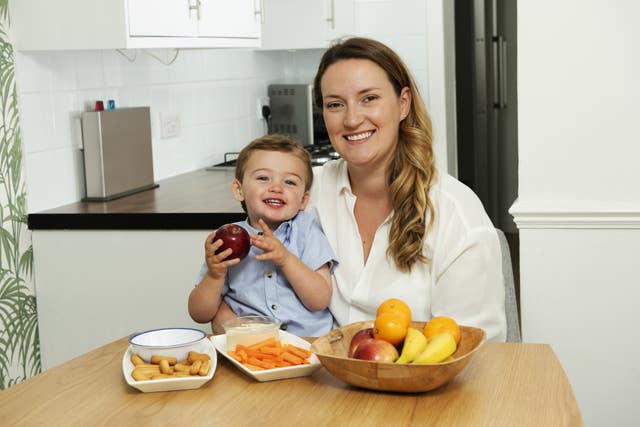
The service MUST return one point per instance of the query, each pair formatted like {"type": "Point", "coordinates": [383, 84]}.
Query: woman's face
{"type": "Point", "coordinates": [362, 111]}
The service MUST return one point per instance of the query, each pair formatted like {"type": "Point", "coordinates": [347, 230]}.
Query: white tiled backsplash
{"type": "Point", "coordinates": [213, 91]}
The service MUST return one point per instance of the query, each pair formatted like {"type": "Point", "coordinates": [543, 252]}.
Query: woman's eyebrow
{"type": "Point", "coordinates": [360, 92]}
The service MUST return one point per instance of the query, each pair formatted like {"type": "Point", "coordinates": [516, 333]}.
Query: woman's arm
{"type": "Point", "coordinates": [469, 285]}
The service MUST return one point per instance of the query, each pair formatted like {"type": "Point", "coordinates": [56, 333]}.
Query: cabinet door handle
{"type": "Point", "coordinates": [259, 10]}
{"type": "Point", "coordinates": [195, 7]}
{"type": "Point", "coordinates": [332, 17]}
{"type": "Point", "coordinates": [499, 72]}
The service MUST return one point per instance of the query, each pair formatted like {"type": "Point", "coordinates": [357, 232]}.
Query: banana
{"type": "Point", "coordinates": [439, 347]}
{"type": "Point", "coordinates": [414, 344]}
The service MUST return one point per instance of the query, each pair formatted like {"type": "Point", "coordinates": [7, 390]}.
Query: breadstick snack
{"type": "Point", "coordinates": [165, 367]}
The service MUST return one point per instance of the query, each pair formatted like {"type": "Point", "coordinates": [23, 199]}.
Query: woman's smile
{"type": "Point", "coordinates": [359, 137]}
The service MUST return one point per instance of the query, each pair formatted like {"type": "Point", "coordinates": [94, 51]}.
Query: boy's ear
{"type": "Point", "coordinates": [305, 200]}
{"type": "Point", "coordinates": [236, 188]}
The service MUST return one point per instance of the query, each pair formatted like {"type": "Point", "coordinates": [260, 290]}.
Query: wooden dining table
{"type": "Point", "coordinates": [506, 384]}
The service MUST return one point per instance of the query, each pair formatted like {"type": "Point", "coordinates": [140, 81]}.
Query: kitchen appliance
{"type": "Point", "coordinates": [117, 153]}
{"type": "Point", "coordinates": [293, 113]}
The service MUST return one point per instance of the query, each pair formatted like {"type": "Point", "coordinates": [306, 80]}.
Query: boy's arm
{"type": "Point", "coordinates": [312, 287]}
{"type": "Point", "coordinates": [223, 314]}
{"type": "Point", "coordinates": [205, 298]}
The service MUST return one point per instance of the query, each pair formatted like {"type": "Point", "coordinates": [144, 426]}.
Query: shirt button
{"type": "Point", "coordinates": [284, 327]}
{"type": "Point", "coordinates": [274, 307]}
{"type": "Point", "coordinates": [270, 274]}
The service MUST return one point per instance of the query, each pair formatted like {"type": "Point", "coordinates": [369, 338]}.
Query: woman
{"type": "Point", "coordinates": [399, 229]}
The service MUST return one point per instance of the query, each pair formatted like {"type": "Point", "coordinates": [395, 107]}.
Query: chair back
{"type": "Point", "coordinates": [510, 301]}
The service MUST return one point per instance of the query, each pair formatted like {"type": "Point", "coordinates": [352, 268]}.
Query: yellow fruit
{"type": "Point", "coordinates": [441, 324]}
{"type": "Point", "coordinates": [439, 347]}
{"type": "Point", "coordinates": [414, 343]}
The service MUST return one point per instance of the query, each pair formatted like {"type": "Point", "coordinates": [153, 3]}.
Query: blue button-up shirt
{"type": "Point", "coordinates": [258, 287]}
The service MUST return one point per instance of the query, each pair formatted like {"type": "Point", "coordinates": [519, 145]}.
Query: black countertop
{"type": "Point", "coordinates": [199, 200]}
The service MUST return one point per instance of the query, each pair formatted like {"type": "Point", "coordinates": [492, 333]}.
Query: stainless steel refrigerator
{"type": "Point", "coordinates": [486, 87]}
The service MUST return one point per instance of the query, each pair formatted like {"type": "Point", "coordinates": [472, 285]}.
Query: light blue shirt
{"type": "Point", "coordinates": [258, 287]}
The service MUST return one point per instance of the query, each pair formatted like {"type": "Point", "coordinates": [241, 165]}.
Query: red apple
{"type": "Point", "coordinates": [235, 237]}
{"type": "Point", "coordinates": [376, 350]}
{"type": "Point", "coordinates": [358, 338]}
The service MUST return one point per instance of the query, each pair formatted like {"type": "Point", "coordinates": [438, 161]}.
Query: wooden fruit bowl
{"type": "Point", "coordinates": [333, 347]}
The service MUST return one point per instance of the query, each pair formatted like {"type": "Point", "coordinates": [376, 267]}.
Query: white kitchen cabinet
{"type": "Point", "coordinates": [130, 24]}
{"type": "Point", "coordinates": [306, 24]}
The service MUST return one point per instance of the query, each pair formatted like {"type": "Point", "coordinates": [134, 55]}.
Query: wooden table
{"type": "Point", "coordinates": [504, 385]}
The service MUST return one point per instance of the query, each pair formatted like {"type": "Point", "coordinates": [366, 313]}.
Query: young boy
{"type": "Point", "coordinates": [287, 273]}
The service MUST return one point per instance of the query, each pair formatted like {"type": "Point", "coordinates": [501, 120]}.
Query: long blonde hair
{"type": "Point", "coordinates": [413, 169]}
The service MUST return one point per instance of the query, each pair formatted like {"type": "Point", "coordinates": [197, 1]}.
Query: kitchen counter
{"type": "Point", "coordinates": [199, 200]}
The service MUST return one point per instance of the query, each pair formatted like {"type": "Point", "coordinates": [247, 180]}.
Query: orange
{"type": "Point", "coordinates": [442, 324]}
{"type": "Point", "coordinates": [397, 306]}
{"type": "Point", "coordinates": [390, 327]}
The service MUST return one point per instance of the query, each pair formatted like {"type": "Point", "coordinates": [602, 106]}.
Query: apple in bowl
{"type": "Point", "coordinates": [376, 350]}
{"type": "Point", "coordinates": [358, 338]}
{"type": "Point", "coordinates": [235, 237]}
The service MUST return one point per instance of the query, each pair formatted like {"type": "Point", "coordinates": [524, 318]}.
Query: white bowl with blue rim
{"type": "Point", "coordinates": [171, 342]}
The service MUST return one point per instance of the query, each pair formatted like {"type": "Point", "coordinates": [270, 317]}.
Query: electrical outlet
{"type": "Point", "coordinates": [261, 102]}
{"type": "Point", "coordinates": [170, 125]}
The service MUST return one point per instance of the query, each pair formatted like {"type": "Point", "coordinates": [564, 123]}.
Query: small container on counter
{"type": "Point", "coordinates": [247, 330]}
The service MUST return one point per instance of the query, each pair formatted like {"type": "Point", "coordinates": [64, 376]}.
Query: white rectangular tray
{"type": "Point", "coordinates": [220, 343]}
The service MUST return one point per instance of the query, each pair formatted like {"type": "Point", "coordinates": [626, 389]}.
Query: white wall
{"type": "Point", "coordinates": [579, 196]}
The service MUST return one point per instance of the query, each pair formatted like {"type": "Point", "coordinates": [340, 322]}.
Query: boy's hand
{"type": "Point", "coordinates": [273, 248]}
{"type": "Point", "coordinates": [216, 262]}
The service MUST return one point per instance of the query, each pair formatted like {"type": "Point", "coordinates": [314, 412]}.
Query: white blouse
{"type": "Point", "coordinates": [464, 279]}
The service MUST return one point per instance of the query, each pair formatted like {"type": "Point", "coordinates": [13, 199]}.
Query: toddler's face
{"type": "Point", "coordinates": [273, 187]}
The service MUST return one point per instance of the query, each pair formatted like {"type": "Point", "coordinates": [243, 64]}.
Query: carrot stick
{"type": "Point", "coordinates": [270, 353]}
{"type": "Point", "coordinates": [292, 358]}
{"type": "Point", "coordinates": [253, 367]}
{"type": "Point", "coordinates": [261, 363]}
{"type": "Point", "coordinates": [234, 355]}
{"type": "Point", "coordinates": [300, 352]}
{"type": "Point", "coordinates": [271, 350]}
{"type": "Point", "coordinates": [269, 342]}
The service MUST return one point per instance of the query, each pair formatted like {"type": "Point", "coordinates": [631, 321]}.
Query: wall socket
{"type": "Point", "coordinates": [262, 102]}
{"type": "Point", "coordinates": [170, 125]}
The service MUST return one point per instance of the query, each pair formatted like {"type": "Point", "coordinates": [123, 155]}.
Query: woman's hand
{"type": "Point", "coordinates": [273, 248]}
